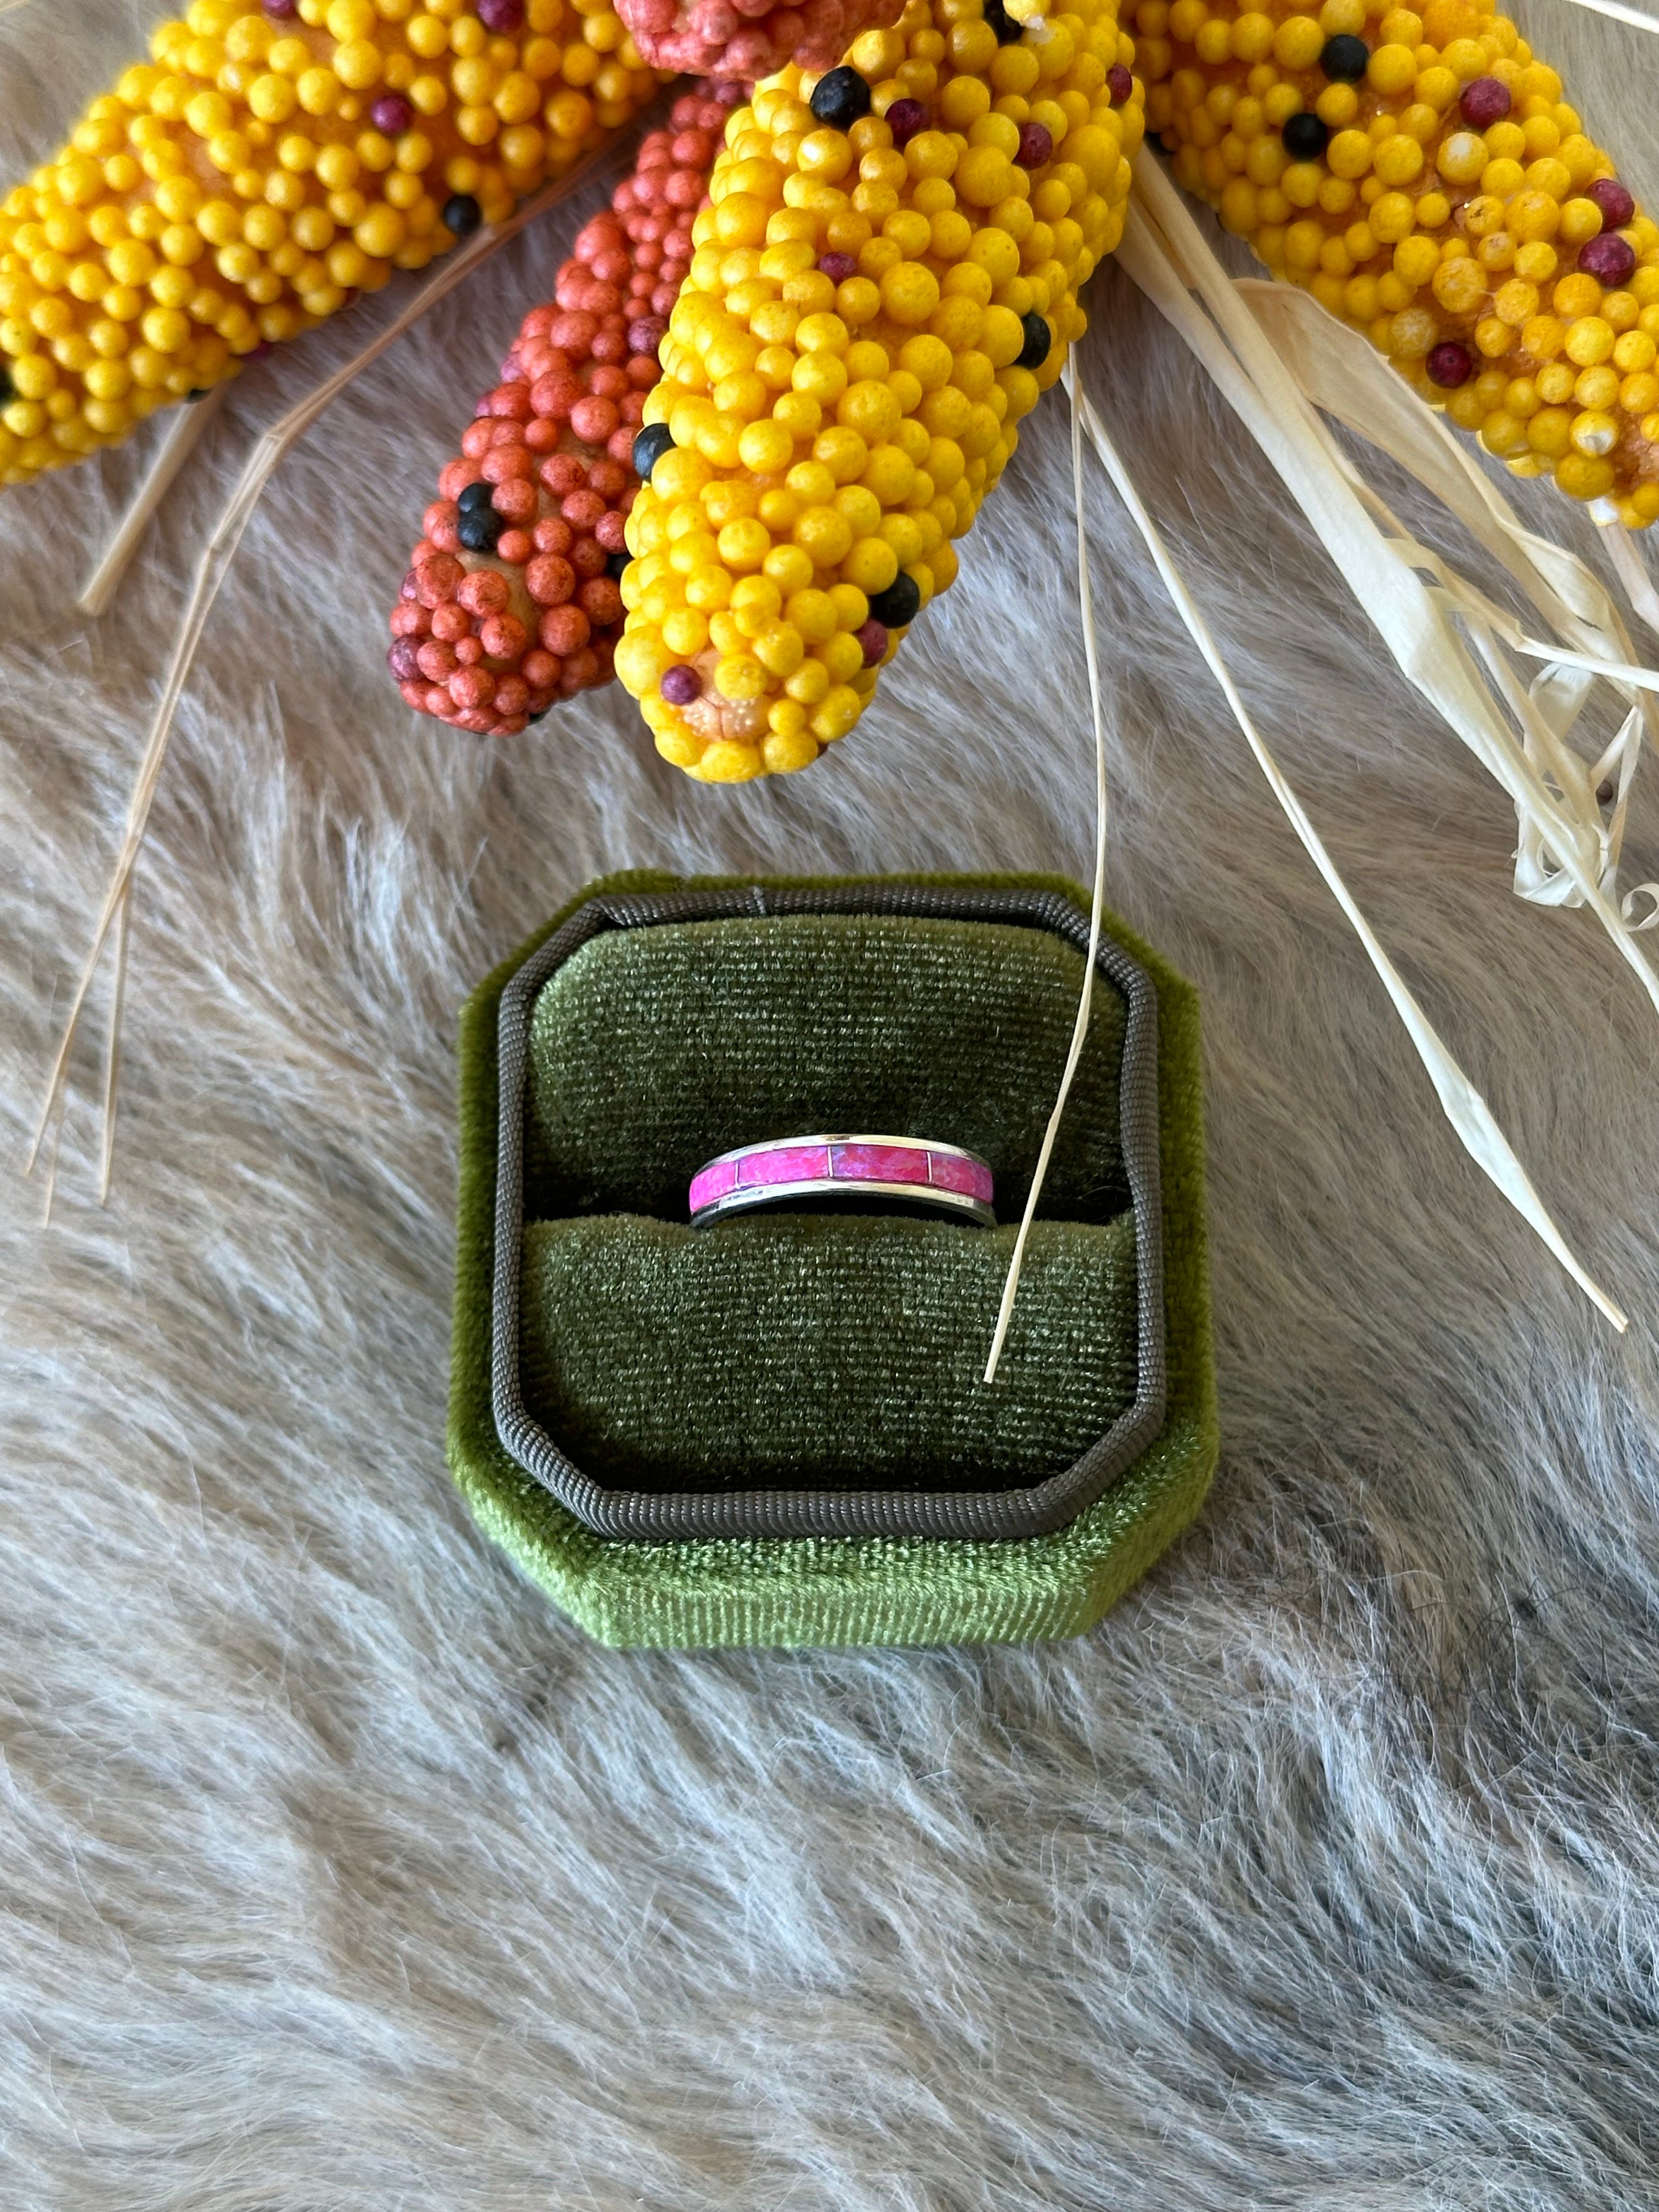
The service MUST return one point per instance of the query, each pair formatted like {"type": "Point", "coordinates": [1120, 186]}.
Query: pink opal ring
{"type": "Point", "coordinates": [904, 1171]}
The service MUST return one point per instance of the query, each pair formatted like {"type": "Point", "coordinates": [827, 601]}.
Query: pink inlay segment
{"type": "Point", "coordinates": [711, 1183]}
{"type": "Point", "coordinates": [878, 1163]}
{"type": "Point", "coordinates": [786, 1163]}
{"type": "Point", "coordinates": [971, 1177]}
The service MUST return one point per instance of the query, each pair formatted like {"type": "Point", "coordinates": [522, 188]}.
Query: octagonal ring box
{"type": "Point", "coordinates": [773, 1430]}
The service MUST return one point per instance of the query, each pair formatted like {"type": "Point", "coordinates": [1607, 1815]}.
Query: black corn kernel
{"type": "Point", "coordinates": [1305, 137]}
{"type": "Point", "coordinates": [462, 214]}
{"type": "Point", "coordinates": [1008, 32]}
{"type": "Point", "coordinates": [480, 529]}
{"type": "Point", "coordinates": [1344, 60]}
{"type": "Point", "coordinates": [1039, 342]}
{"type": "Point", "coordinates": [616, 562]}
{"type": "Point", "coordinates": [898, 604]}
{"type": "Point", "coordinates": [841, 99]}
{"type": "Point", "coordinates": [474, 496]}
{"type": "Point", "coordinates": [652, 442]}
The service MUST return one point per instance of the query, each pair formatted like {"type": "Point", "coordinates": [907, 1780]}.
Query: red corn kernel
{"type": "Point", "coordinates": [600, 601]}
{"type": "Point", "coordinates": [555, 395]}
{"type": "Point", "coordinates": [477, 438]}
{"type": "Point", "coordinates": [468, 652]}
{"type": "Point", "coordinates": [541, 670]}
{"type": "Point", "coordinates": [484, 593]}
{"type": "Point", "coordinates": [562, 630]}
{"type": "Point", "coordinates": [451, 622]}
{"type": "Point", "coordinates": [472, 687]}
{"type": "Point", "coordinates": [573, 333]}
{"type": "Point", "coordinates": [550, 581]}
{"type": "Point", "coordinates": [611, 531]}
{"type": "Point", "coordinates": [436, 578]}
{"type": "Point", "coordinates": [517, 501]}
{"type": "Point", "coordinates": [595, 419]}
{"type": "Point", "coordinates": [502, 463]}
{"type": "Point", "coordinates": [553, 534]}
{"type": "Point", "coordinates": [435, 660]}
{"type": "Point", "coordinates": [583, 508]}
{"type": "Point", "coordinates": [503, 637]}
{"type": "Point", "coordinates": [515, 546]}
{"type": "Point", "coordinates": [1484, 101]}
{"type": "Point", "coordinates": [511, 694]}
{"type": "Point", "coordinates": [587, 556]}
{"type": "Point", "coordinates": [563, 473]}
{"type": "Point", "coordinates": [580, 669]}
{"type": "Point", "coordinates": [1616, 203]}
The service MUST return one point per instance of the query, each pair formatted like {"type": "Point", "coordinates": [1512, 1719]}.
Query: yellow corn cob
{"type": "Point", "coordinates": [266, 165]}
{"type": "Point", "coordinates": [1456, 213]}
{"type": "Point", "coordinates": [841, 376]}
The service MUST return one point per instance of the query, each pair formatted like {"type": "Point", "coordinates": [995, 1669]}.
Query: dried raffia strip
{"type": "Point", "coordinates": [1618, 12]}
{"type": "Point", "coordinates": [1344, 377]}
{"type": "Point", "coordinates": [215, 565]}
{"type": "Point", "coordinates": [1416, 628]}
{"type": "Point", "coordinates": [1342, 374]}
{"type": "Point", "coordinates": [1086, 999]}
{"type": "Point", "coordinates": [113, 1046]}
{"type": "Point", "coordinates": [184, 432]}
{"type": "Point", "coordinates": [1164, 253]}
{"type": "Point", "coordinates": [1467, 1110]}
{"type": "Point", "coordinates": [1632, 572]}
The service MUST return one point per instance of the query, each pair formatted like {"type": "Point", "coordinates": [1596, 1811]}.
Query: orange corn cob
{"type": "Point", "coordinates": [1424, 176]}
{"type": "Point", "coordinates": [266, 165]}
{"type": "Point", "coordinates": [511, 600]}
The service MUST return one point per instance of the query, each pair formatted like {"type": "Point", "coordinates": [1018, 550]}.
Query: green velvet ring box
{"type": "Point", "coordinates": [774, 1430]}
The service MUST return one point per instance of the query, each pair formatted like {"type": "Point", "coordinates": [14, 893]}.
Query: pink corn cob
{"type": "Point", "coordinates": [751, 38]}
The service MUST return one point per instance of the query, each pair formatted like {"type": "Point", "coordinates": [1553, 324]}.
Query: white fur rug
{"type": "Point", "coordinates": [340, 1871]}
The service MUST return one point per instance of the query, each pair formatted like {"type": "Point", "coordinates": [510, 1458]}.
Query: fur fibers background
{"type": "Point", "coordinates": [338, 1871]}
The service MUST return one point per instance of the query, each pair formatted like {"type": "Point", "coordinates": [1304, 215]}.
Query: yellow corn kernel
{"type": "Point", "coordinates": [149, 248]}
{"type": "Point", "coordinates": [1449, 108]}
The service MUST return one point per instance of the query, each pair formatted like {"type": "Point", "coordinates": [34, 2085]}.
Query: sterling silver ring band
{"type": "Point", "coordinates": [910, 1171]}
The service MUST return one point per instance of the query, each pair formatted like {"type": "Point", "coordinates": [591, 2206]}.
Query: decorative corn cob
{"type": "Point", "coordinates": [510, 597]}
{"type": "Point", "coordinates": [266, 165]}
{"type": "Point", "coordinates": [1422, 174]}
{"type": "Point", "coordinates": [886, 280]}
{"type": "Point", "coordinates": [750, 39]}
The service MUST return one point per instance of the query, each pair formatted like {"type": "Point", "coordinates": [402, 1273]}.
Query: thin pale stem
{"type": "Point", "coordinates": [221, 551]}
{"type": "Point", "coordinates": [186, 429]}
{"type": "Point", "coordinates": [1086, 999]}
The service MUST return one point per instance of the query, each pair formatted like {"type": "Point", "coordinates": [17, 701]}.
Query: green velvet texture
{"type": "Point", "coordinates": [799, 1349]}
{"type": "Point", "coordinates": [835, 1590]}
{"type": "Point", "coordinates": [652, 1050]}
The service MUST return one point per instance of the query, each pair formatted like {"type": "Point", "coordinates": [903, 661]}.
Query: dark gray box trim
{"type": "Point", "coordinates": [663, 1517]}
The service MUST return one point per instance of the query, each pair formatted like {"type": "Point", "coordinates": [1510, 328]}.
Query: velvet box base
{"type": "Point", "coordinates": [839, 1353]}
